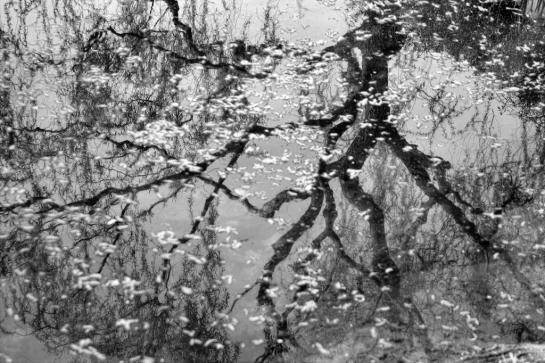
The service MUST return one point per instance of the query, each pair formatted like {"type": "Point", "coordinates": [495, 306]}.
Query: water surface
{"type": "Point", "coordinates": [269, 181]}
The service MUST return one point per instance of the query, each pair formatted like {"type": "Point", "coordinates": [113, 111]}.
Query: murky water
{"type": "Point", "coordinates": [288, 181]}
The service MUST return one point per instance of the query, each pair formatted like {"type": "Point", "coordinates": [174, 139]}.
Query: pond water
{"type": "Point", "coordinates": [270, 181]}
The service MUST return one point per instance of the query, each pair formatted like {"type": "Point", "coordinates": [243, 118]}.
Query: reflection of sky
{"type": "Point", "coordinates": [301, 19]}
{"type": "Point", "coordinates": [481, 124]}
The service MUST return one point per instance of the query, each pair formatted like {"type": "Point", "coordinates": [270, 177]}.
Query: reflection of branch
{"type": "Point", "coordinates": [270, 208]}
{"type": "Point", "coordinates": [25, 204]}
{"type": "Point", "coordinates": [186, 173]}
{"type": "Point", "coordinates": [127, 144]}
{"type": "Point", "coordinates": [241, 70]}
{"type": "Point", "coordinates": [416, 164]}
{"type": "Point", "coordinates": [39, 129]}
{"type": "Point", "coordinates": [330, 215]}
{"type": "Point", "coordinates": [162, 200]}
{"type": "Point", "coordinates": [382, 264]}
{"type": "Point", "coordinates": [282, 247]}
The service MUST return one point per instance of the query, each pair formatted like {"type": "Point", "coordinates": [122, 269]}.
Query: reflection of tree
{"type": "Point", "coordinates": [383, 267]}
{"type": "Point", "coordinates": [80, 262]}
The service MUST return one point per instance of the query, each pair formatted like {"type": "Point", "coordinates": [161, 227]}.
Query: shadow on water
{"type": "Point", "coordinates": [192, 183]}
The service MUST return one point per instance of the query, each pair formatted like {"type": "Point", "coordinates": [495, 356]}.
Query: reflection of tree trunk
{"type": "Point", "coordinates": [174, 9]}
{"type": "Point", "coordinates": [383, 266]}
{"type": "Point", "coordinates": [385, 272]}
{"type": "Point", "coordinates": [374, 81]}
{"type": "Point", "coordinates": [373, 85]}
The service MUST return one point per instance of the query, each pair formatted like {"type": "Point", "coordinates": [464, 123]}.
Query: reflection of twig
{"type": "Point", "coordinates": [162, 200]}
{"type": "Point", "coordinates": [241, 295]}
